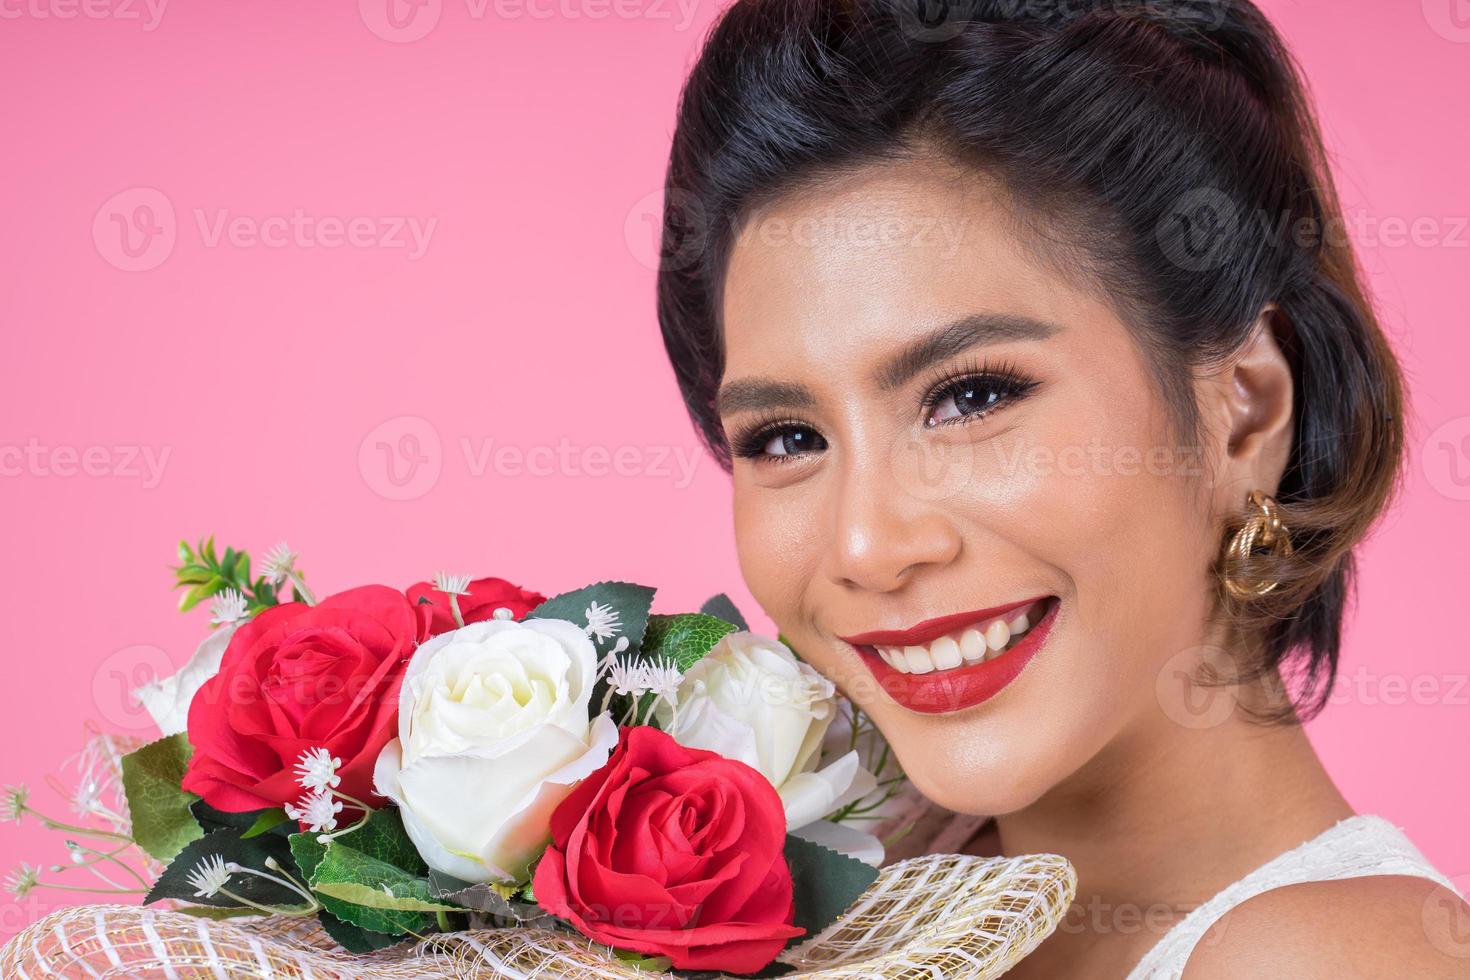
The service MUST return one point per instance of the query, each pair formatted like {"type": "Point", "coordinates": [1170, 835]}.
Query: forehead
{"type": "Point", "coordinates": [842, 270]}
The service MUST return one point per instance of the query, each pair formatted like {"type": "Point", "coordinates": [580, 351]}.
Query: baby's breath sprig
{"type": "Point", "coordinates": [316, 773]}
{"type": "Point", "coordinates": [279, 567]}
{"type": "Point", "coordinates": [210, 876]}
{"type": "Point", "coordinates": [15, 805]}
{"type": "Point", "coordinates": [453, 586]}
{"type": "Point", "coordinates": [26, 878]}
{"type": "Point", "coordinates": [644, 682]}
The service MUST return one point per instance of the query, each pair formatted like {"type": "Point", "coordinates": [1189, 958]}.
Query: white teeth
{"type": "Point", "coordinates": [917, 660]}
{"type": "Point", "coordinates": [972, 644]}
{"type": "Point", "coordinates": [945, 653]}
{"type": "Point", "coordinates": [969, 645]}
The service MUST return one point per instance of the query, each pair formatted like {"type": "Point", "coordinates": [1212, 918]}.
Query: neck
{"type": "Point", "coordinates": [1166, 815]}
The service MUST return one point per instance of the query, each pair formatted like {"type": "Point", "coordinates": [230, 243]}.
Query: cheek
{"type": "Point", "coordinates": [1100, 491]}
{"type": "Point", "coordinates": [777, 541]}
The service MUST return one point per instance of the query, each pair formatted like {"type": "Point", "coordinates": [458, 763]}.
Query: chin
{"type": "Point", "coordinates": [981, 772]}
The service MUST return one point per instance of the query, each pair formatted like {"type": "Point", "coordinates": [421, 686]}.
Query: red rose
{"type": "Point", "coordinates": [295, 678]}
{"type": "Point", "coordinates": [672, 851]}
{"type": "Point", "coordinates": [486, 596]}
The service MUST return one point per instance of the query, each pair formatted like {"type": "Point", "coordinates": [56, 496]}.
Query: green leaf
{"type": "Point", "coordinates": [384, 838]}
{"type": "Point", "coordinates": [824, 883]}
{"type": "Point", "coordinates": [201, 592]}
{"type": "Point", "coordinates": [721, 607]}
{"type": "Point", "coordinates": [642, 961]}
{"type": "Point", "coordinates": [162, 821]}
{"type": "Point", "coordinates": [191, 575]}
{"type": "Point", "coordinates": [630, 602]}
{"type": "Point", "coordinates": [502, 901]}
{"type": "Point", "coordinates": [267, 820]}
{"type": "Point", "coordinates": [242, 823]}
{"type": "Point", "coordinates": [375, 854]}
{"type": "Point", "coordinates": [226, 843]}
{"type": "Point", "coordinates": [683, 638]}
{"type": "Point", "coordinates": [371, 894]}
{"type": "Point", "coordinates": [384, 887]}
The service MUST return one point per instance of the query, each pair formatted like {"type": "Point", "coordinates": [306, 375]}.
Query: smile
{"type": "Point", "coordinates": [954, 662]}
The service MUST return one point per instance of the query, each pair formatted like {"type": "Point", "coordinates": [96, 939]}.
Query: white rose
{"type": "Point", "coordinates": [493, 733]}
{"type": "Point", "coordinates": [752, 700]}
{"type": "Point", "coordinates": [167, 699]}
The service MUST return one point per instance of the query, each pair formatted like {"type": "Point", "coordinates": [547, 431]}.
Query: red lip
{"type": "Point", "coordinates": [933, 629]}
{"type": "Point", "coordinates": [942, 691]}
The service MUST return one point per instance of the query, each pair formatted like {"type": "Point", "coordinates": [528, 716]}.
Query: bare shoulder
{"type": "Point", "coordinates": [1379, 926]}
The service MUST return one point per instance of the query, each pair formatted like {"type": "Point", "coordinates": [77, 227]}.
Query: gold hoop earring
{"type": "Point", "coordinates": [1262, 529]}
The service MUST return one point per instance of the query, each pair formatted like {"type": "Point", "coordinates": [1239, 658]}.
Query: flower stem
{"type": "Point", "coordinates": [94, 891]}
{"type": "Point", "coordinates": [106, 856]}
{"type": "Point", "coordinates": [357, 824]}
{"type": "Point", "coordinates": [284, 882]}
{"type": "Point", "coordinates": [51, 824]}
{"type": "Point", "coordinates": [299, 584]}
{"type": "Point", "coordinates": [268, 909]}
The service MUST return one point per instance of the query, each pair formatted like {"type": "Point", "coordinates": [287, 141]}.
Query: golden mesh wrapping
{"type": "Point", "coordinates": [940, 915]}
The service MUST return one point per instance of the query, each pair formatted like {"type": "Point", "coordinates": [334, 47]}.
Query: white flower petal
{"type": "Point", "coordinates": [167, 699]}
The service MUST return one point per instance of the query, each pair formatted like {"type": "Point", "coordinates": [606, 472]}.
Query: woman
{"type": "Point", "coordinates": [1055, 408]}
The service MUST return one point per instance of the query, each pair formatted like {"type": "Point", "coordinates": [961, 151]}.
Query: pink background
{"type": "Point", "coordinates": [533, 135]}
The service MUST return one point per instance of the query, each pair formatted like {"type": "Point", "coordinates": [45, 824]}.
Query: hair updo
{"type": "Point", "coordinates": [1173, 142]}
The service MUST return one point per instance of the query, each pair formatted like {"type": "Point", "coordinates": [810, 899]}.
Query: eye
{"type": "Point", "coordinates": [780, 441]}
{"type": "Point", "coordinates": [973, 395]}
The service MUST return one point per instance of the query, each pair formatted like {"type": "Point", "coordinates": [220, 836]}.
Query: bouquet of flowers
{"type": "Point", "coordinates": [397, 763]}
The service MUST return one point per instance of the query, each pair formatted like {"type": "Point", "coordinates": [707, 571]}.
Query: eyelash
{"type": "Point", "coordinates": [1004, 379]}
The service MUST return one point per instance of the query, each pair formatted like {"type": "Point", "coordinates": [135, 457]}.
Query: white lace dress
{"type": "Point", "coordinates": [1353, 848]}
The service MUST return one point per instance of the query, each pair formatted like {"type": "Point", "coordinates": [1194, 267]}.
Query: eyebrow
{"type": "Point", "coordinates": [956, 338]}
{"type": "Point", "coordinates": [762, 394]}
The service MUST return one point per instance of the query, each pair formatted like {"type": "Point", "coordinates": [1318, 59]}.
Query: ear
{"type": "Point", "coordinates": [1253, 400]}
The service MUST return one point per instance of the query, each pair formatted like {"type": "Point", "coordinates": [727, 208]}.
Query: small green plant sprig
{"type": "Point", "coordinates": [202, 573]}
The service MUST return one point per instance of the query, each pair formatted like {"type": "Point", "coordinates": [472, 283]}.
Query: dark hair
{"type": "Point", "coordinates": [1175, 143]}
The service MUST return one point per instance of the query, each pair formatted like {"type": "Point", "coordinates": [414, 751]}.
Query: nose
{"type": "Point", "coordinates": [885, 536]}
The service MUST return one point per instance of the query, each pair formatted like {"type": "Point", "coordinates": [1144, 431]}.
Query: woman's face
{"type": "Point", "coordinates": [936, 435]}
